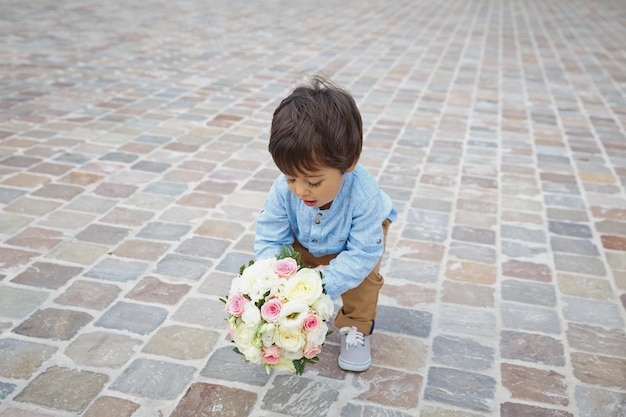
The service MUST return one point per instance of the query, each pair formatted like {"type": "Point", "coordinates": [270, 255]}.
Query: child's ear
{"type": "Point", "coordinates": [351, 168]}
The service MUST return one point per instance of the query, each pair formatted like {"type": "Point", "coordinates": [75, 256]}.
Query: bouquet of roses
{"type": "Point", "coordinates": [277, 312]}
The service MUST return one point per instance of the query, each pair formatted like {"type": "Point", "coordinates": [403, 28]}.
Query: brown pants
{"type": "Point", "coordinates": [359, 304]}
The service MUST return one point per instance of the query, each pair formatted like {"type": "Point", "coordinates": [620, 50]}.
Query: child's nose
{"type": "Point", "coordinates": [302, 190]}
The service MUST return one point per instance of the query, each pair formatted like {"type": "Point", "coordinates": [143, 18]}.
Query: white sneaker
{"type": "Point", "coordinates": [355, 350]}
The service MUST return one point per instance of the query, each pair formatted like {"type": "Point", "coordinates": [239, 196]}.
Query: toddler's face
{"type": "Point", "coordinates": [317, 188]}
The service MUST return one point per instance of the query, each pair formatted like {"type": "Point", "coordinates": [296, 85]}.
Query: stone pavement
{"type": "Point", "coordinates": [133, 163]}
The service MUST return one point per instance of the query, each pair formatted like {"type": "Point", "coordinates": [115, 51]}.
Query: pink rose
{"type": "Point", "coordinates": [271, 309]}
{"type": "Point", "coordinates": [235, 304]}
{"type": "Point", "coordinates": [311, 323]}
{"type": "Point", "coordinates": [231, 331]}
{"type": "Point", "coordinates": [286, 267]}
{"type": "Point", "coordinates": [271, 354]}
{"type": "Point", "coordinates": [312, 352]}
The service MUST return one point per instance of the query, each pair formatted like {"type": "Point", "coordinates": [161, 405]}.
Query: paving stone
{"type": "Point", "coordinates": [18, 303]}
{"type": "Point", "coordinates": [527, 270]}
{"type": "Point", "coordinates": [53, 323]}
{"type": "Point", "coordinates": [89, 295]}
{"type": "Point", "coordinates": [36, 238]}
{"type": "Point", "coordinates": [102, 349]}
{"type": "Point", "coordinates": [611, 226]}
{"type": "Point", "coordinates": [58, 191]}
{"type": "Point", "coordinates": [585, 287]}
{"type": "Point", "coordinates": [108, 235]}
{"type": "Point", "coordinates": [153, 379]}
{"type": "Point", "coordinates": [569, 215]}
{"type": "Point", "coordinates": [391, 350]}
{"type": "Point", "coordinates": [106, 406]}
{"type": "Point", "coordinates": [404, 321]}
{"type": "Point", "coordinates": [599, 370]}
{"type": "Point", "coordinates": [180, 342]}
{"type": "Point", "coordinates": [469, 252]}
{"type": "Point", "coordinates": [233, 261]}
{"type": "Point", "coordinates": [77, 252]}
{"type": "Point", "coordinates": [6, 389]}
{"type": "Point", "coordinates": [153, 290]}
{"type": "Point", "coordinates": [406, 295]}
{"type": "Point", "coordinates": [90, 204]}
{"type": "Point", "coordinates": [63, 389]}
{"type": "Point", "coordinates": [151, 166]}
{"type": "Point", "coordinates": [430, 411]}
{"type": "Point", "coordinates": [164, 231]}
{"type": "Point", "coordinates": [183, 266]}
{"type": "Point", "coordinates": [118, 270]}
{"type": "Point", "coordinates": [463, 353]}
{"type": "Point", "coordinates": [63, 219]}
{"type": "Point", "coordinates": [144, 250]}
{"type": "Point", "coordinates": [534, 384]}
{"type": "Point", "coordinates": [9, 194]}
{"type": "Point", "coordinates": [220, 400]}
{"type": "Point", "coordinates": [509, 409]}
{"type": "Point", "coordinates": [203, 247]}
{"type": "Point", "coordinates": [20, 359]}
{"type": "Point", "coordinates": [475, 235]}
{"type": "Point", "coordinates": [579, 264]}
{"type": "Point", "coordinates": [127, 216]}
{"type": "Point", "coordinates": [594, 402]}
{"type": "Point", "coordinates": [15, 412]}
{"type": "Point", "coordinates": [227, 365]}
{"type": "Point", "coordinates": [467, 320]}
{"type": "Point", "coordinates": [460, 388]}
{"type": "Point", "coordinates": [522, 233]}
{"type": "Point", "coordinates": [522, 317]}
{"type": "Point", "coordinates": [357, 410]}
{"type": "Point", "coordinates": [113, 190]}
{"type": "Point", "coordinates": [299, 397]}
{"type": "Point", "coordinates": [388, 387]}
{"type": "Point", "coordinates": [576, 246]}
{"type": "Point", "coordinates": [415, 271]}
{"type": "Point", "coordinates": [32, 206]}
{"type": "Point", "coordinates": [614, 242]}
{"type": "Point", "coordinates": [47, 275]}
{"type": "Point", "coordinates": [203, 312]}
{"type": "Point", "coordinates": [474, 272]}
{"type": "Point", "coordinates": [595, 339]}
{"type": "Point", "coordinates": [467, 294]}
{"type": "Point", "coordinates": [592, 312]}
{"type": "Point", "coordinates": [531, 347]}
{"type": "Point", "coordinates": [528, 292]}
{"type": "Point", "coordinates": [569, 229]}
{"type": "Point", "coordinates": [135, 318]}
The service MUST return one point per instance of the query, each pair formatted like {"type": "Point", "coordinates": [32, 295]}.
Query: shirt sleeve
{"type": "Point", "coordinates": [364, 248]}
{"type": "Point", "coordinates": [273, 229]}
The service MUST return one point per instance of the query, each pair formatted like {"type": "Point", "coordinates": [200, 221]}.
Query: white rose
{"type": "Point", "coordinates": [290, 340]}
{"type": "Point", "coordinates": [267, 331]}
{"type": "Point", "coordinates": [293, 314]}
{"type": "Point", "coordinates": [251, 315]}
{"type": "Point", "coordinates": [305, 285]}
{"type": "Point", "coordinates": [258, 278]}
{"type": "Point", "coordinates": [252, 354]}
{"type": "Point", "coordinates": [317, 337]}
{"type": "Point", "coordinates": [244, 336]}
{"type": "Point", "coordinates": [324, 307]}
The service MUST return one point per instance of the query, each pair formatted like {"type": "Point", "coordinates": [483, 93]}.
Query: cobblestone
{"type": "Point", "coordinates": [134, 163]}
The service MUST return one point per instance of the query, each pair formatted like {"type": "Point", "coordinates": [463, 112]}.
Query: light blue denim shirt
{"type": "Point", "coordinates": [351, 227]}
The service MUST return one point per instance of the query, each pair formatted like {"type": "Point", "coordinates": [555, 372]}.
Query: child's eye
{"type": "Point", "coordinates": [290, 180]}
{"type": "Point", "coordinates": [317, 184]}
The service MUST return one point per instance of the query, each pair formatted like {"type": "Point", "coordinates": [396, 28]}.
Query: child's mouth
{"type": "Point", "coordinates": [309, 203]}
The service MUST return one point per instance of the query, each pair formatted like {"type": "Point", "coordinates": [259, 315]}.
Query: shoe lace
{"type": "Point", "coordinates": [353, 336]}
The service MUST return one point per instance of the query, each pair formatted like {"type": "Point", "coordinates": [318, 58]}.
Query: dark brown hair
{"type": "Point", "coordinates": [317, 125]}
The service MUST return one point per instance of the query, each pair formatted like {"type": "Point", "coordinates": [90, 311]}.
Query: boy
{"type": "Point", "coordinates": [328, 207]}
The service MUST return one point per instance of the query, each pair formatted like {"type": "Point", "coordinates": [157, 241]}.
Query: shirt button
{"type": "Point", "coordinates": [314, 241]}
{"type": "Point", "coordinates": [319, 214]}
{"type": "Point", "coordinates": [378, 240]}
{"type": "Point", "coordinates": [317, 221]}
